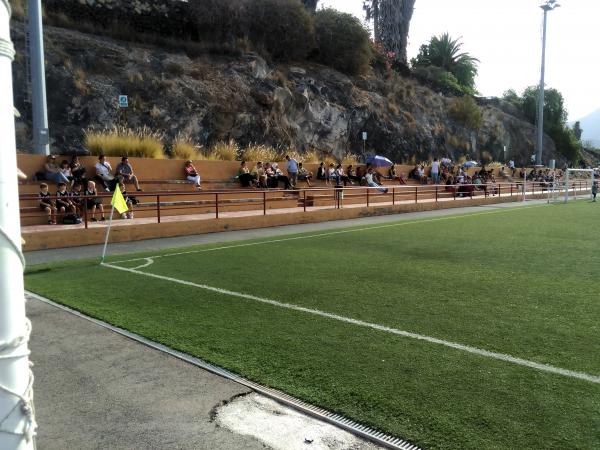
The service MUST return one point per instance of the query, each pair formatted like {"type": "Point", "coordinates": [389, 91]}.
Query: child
{"type": "Point", "coordinates": [63, 200]}
{"type": "Point", "coordinates": [46, 204]}
{"type": "Point", "coordinates": [94, 202]}
{"type": "Point", "coordinates": [192, 175]}
{"type": "Point", "coordinates": [76, 198]}
{"type": "Point", "coordinates": [129, 200]}
{"type": "Point", "coordinates": [594, 190]}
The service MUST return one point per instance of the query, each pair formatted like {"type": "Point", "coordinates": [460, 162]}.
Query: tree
{"type": "Point", "coordinates": [445, 52]}
{"type": "Point", "coordinates": [391, 23]}
{"type": "Point", "coordinates": [555, 113]}
{"type": "Point", "coordinates": [311, 5]}
{"type": "Point", "coordinates": [342, 42]}
{"type": "Point", "coordinates": [577, 130]}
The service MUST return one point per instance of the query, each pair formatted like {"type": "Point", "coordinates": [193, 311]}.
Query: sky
{"type": "Point", "coordinates": [506, 37]}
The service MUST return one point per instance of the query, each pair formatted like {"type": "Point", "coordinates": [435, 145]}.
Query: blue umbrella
{"type": "Point", "coordinates": [379, 161]}
{"type": "Point", "coordinates": [471, 164]}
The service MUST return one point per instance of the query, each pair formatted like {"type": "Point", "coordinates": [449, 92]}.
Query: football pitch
{"type": "Point", "coordinates": [467, 331]}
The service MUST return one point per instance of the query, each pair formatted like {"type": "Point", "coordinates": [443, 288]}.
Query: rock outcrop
{"type": "Point", "coordinates": [213, 98]}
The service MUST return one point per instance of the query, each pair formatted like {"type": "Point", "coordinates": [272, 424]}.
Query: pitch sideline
{"type": "Point", "coordinates": [466, 348]}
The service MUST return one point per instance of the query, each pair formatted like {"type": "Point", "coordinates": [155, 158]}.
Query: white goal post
{"type": "Point", "coordinates": [573, 180]}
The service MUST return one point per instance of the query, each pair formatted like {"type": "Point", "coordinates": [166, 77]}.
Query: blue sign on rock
{"type": "Point", "coordinates": [123, 101]}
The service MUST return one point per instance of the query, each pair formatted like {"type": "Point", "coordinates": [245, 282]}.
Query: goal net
{"type": "Point", "coordinates": [575, 184]}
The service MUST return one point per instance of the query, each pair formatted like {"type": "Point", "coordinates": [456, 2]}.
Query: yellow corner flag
{"type": "Point", "coordinates": [118, 201]}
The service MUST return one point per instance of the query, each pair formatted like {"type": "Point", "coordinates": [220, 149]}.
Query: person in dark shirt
{"type": "Point", "coordinates": [64, 204]}
{"type": "Point", "coordinates": [46, 204]}
{"type": "Point", "coordinates": [76, 198]}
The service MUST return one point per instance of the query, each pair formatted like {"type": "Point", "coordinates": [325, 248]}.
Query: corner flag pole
{"type": "Point", "coordinates": [107, 233]}
{"type": "Point", "coordinates": [118, 202]}
{"type": "Point", "coordinates": [17, 419]}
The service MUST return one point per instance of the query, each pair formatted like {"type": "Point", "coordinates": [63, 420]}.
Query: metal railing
{"type": "Point", "coordinates": [217, 202]}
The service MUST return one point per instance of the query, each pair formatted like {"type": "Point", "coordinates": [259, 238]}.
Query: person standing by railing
{"type": "Point", "coordinates": [435, 171]}
{"type": "Point", "coordinates": [292, 170]}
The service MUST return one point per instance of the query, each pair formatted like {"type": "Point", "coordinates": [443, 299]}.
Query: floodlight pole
{"type": "Point", "coordinates": [548, 6]}
{"type": "Point", "coordinates": [41, 138]}
{"type": "Point", "coordinates": [17, 423]}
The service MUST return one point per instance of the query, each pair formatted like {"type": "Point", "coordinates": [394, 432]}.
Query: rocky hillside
{"type": "Point", "coordinates": [213, 98]}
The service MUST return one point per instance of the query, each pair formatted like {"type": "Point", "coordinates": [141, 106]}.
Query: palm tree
{"type": "Point", "coordinates": [445, 52]}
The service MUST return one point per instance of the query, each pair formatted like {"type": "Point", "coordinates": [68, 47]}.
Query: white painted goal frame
{"type": "Point", "coordinates": [577, 188]}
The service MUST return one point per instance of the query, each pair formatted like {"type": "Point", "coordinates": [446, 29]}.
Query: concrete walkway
{"type": "Point", "coordinates": [91, 251]}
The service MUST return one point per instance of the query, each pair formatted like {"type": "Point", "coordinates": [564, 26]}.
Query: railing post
{"type": "Point", "coordinates": [436, 193]}
{"type": "Point", "coordinates": [416, 194]}
{"type": "Point", "coordinates": [264, 203]}
{"type": "Point", "coordinates": [454, 189]}
{"type": "Point", "coordinates": [85, 213]}
{"type": "Point", "coordinates": [499, 189]}
{"type": "Point", "coordinates": [304, 203]}
{"type": "Point", "coordinates": [511, 189]}
{"type": "Point", "coordinates": [368, 197]}
{"type": "Point", "coordinates": [216, 205]}
{"type": "Point", "coordinates": [393, 196]}
{"type": "Point", "coordinates": [158, 208]}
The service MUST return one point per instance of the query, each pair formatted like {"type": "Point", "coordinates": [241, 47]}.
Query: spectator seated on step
{"type": "Point", "coordinates": [47, 204]}
{"type": "Point", "coordinates": [360, 175]}
{"type": "Point", "coordinates": [341, 177]}
{"type": "Point", "coordinates": [258, 172]}
{"type": "Point", "coordinates": [244, 176]}
{"type": "Point", "coordinates": [304, 175]}
{"type": "Point", "coordinates": [76, 194]}
{"type": "Point", "coordinates": [125, 173]}
{"type": "Point", "coordinates": [351, 172]}
{"type": "Point", "coordinates": [78, 170]}
{"type": "Point", "coordinates": [129, 200]}
{"type": "Point", "coordinates": [376, 175]}
{"type": "Point", "coordinates": [422, 175]}
{"type": "Point", "coordinates": [331, 173]}
{"type": "Point", "coordinates": [369, 177]}
{"type": "Point", "coordinates": [414, 174]}
{"type": "Point", "coordinates": [104, 174]}
{"type": "Point", "coordinates": [323, 173]}
{"type": "Point", "coordinates": [394, 176]}
{"type": "Point", "coordinates": [65, 169]}
{"type": "Point", "coordinates": [192, 175]}
{"type": "Point", "coordinates": [93, 202]}
{"type": "Point", "coordinates": [52, 171]}
{"type": "Point", "coordinates": [466, 188]}
{"type": "Point", "coordinates": [64, 202]}
{"type": "Point", "coordinates": [280, 177]}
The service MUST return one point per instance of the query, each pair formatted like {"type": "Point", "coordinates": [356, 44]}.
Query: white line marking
{"type": "Point", "coordinates": [149, 262]}
{"type": "Point", "coordinates": [332, 233]}
{"type": "Point", "coordinates": [374, 326]}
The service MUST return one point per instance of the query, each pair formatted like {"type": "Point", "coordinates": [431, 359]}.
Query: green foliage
{"type": "Point", "coordinates": [555, 113]}
{"type": "Point", "coordinates": [445, 52]}
{"type": "Point", "coordinates": [566, 142]}
{"type": "Point", "coordinates": [342, 42]}
{"type": "Point", "coordinates": [466, 111]}
{"type": "Point", "coordinates": [218, 20]}
{"type": "Point", "coordinates": [283, 28]}
{"type": "Point", "coordinates": [577, 130]}
{"type": "Point", "coordinates": [513, 98]}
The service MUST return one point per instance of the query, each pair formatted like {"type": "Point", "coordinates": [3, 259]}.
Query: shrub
{"type": "Point", "coordinates": [283, 28]}
{"type": "Point", "coordinates": [350, 158]}
{"type": "Point", "coordinates": [342, 42]}
{"type": "Point", "coordinates": [175, 69]}
{"type": "Point", "coordinates": [121, 141]}
{"type": "Point", "coordinates": [223, 151]}
{"type": "Point", "coordinates": [466, 111]}
{"type": "Point", "coordinates": [257, 152]}
{"type": "Point", "coordinates": [184, 148]}
{"type": "Point", "coordinates": [218, 20]}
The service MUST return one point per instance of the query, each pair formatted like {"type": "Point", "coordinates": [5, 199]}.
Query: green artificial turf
{"type": "Point", "coordinates": [522, 282]}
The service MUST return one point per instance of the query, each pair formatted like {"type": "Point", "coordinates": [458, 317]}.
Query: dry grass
{"type": "Point", "coordinates": [261, 152]}
{"type": "Point", "coordinates": [223, 151]}
{"type": "Point", "coordinates": [79, 81]}
{"type": "Point", "coordinates": [350, 158]}
{"type": "Point", "coordinates": [185, 148]}
{"type": "Point", "coordinates": [121, 141]}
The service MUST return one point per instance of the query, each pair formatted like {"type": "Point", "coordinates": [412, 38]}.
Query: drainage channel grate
{"type": "Point", "coordinates": [338, 420]}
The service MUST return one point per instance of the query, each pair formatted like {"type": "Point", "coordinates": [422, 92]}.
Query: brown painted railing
{"type": "Point", "coordinates": [218, 201]}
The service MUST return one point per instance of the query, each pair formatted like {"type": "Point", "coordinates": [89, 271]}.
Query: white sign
{"type": "Point", "coordinates": [123, 101]}
{"type": "Point", "coordinates": [364, 135]}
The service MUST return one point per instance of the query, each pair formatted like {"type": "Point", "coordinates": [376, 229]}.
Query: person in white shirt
{"type": "Point", "coordinates": [435, 171]}
{"type": "Point", "coordinates": [104, 174]}
{"type": "Point", "coordinates": [371, 182]}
